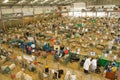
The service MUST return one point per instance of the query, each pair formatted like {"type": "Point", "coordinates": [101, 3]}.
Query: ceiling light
{"type": "Point", "coordinates": [44, 1]}
{"type": "Point", "coordinates": [33, 1]}
{"type": "Point", "coordinates": [54, 1]}
{"type": "Point", "coordinates": [21, 1]}
{"type": "Point", "coordinates": [5, 1]}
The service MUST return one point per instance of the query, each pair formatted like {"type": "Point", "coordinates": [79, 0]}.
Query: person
{"type": "Point", "coordinates": [56, 56]}
{"type": "Point", "coordinates": [22, 46]}
{"type": "Point", "coordinates": [86, 65]}
{"type": "Point", "coordinates": [114, 66]}
{"type": "Point", "coordinates": [108, 67]}
{"type": "Point", "coordinates": [94, 64]}
{"type": "Point", "coordinates": [29, 50]}
{"type": "Point", "coordinates": [78, 51]}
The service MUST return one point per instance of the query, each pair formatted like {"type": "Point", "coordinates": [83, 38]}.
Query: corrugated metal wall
{"type": "Point", "coordinates": [101, 2]}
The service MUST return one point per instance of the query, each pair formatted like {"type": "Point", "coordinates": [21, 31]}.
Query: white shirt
{"type": "Point", "coordinates": [87, 64]}
{"type": "Point", "coordinates": [94, 62]}
{"type": "Point", "coordinates": [33, 45]}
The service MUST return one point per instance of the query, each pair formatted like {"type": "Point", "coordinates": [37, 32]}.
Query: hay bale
{"type": "Point", "coordinates": [27, 77]}
{"type": "Point", "coordinates": [12, 66]}
{"type": "Point", "coordinates": [3, 67]}
{"type": "Point", "coordinates": [20, 74]}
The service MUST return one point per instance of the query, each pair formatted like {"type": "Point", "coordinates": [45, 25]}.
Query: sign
{"type": "Point", "coordinates": [79, 25]}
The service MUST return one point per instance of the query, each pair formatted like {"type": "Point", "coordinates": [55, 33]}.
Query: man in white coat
{"type": "Point", "coordinates": [94, 64]}
{"type": "Point", "coordinates": [86, 65]}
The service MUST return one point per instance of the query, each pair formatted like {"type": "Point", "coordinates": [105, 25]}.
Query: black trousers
{"type": "Point", "coordinates": [86, 71]}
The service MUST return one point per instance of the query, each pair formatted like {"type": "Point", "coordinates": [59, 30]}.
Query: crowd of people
{"type": "Point", "coordinates": [63, 36]}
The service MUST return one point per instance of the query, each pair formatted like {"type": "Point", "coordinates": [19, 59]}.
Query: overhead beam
{"type": "Point", "coordinates": [12, 3]}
